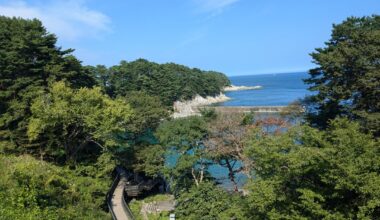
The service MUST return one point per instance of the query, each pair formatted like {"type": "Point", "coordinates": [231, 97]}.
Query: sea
{"type": "Point", "coordinates": [278, 89]}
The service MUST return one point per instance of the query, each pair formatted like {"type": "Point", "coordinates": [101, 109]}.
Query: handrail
{"type": "Point", "coordinates": [120, 176]}
{"type": "Point", "coordinates": [128, 210]}
{"type": "Point", "coordinates": [109, 194]}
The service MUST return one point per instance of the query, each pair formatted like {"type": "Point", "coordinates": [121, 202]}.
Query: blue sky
{"type": "Point", "coordinates": [237, 37]}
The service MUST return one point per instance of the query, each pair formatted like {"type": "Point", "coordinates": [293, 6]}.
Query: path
{"type": "Point", "coordinates": [115, 198]}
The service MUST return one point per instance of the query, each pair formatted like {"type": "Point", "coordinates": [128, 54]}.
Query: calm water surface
{"type": "Point", "coordinates": [277, 89]}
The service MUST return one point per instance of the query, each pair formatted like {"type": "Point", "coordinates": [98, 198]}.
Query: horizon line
{"type": "Point", "coordinates": [268, 73]}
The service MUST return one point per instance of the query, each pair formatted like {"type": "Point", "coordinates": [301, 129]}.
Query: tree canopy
{"type": "Point", "coordinates": [64, 128]}
{"type": "Point", "coordinates": [170, 82]}
{"type": "Point", "coordinates": [33, 189]}
{"type": "Point", "coordinates": [347, 76]}
{"type": "Point", "coordinates": [183, 140]}
{"type": "Point", "coordinates": [311, 174]}
{"type": "Point", "coordinates": [79, 122]}
{"type": "Point", "coordinates": [66, 120]}
{"type": "Point", "coordinates": [30, 61]}
{"type": "Point", "coordinates": [208, 201]}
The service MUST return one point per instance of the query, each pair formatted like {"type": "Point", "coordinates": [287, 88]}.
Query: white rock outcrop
{"type": "Point", "coordinates": [237, 88]}
{"type": "Point", "coordinates": [191, 107]}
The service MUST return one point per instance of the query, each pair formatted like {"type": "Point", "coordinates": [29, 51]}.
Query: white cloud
{"type": "Point", "coordinates": [70, 20]}
{"type": "Point", "coordinates": [214, 6]}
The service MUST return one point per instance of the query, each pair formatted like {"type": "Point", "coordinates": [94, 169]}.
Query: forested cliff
{"type": "Point", "coordinates": [171, 82]}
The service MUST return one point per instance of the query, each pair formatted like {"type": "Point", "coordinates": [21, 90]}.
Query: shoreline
{"type": "Point", "coordinates": [190, 107]}
{"type": "Point", "coordinates": [239, 88]}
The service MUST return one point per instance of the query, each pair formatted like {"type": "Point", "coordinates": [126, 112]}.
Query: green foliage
{"type": "Point", "coordinates": [347, 78]}
{"type": "Point", "coordinates": [208, 201]}
{"type": "Point", "coordinates": [182, 139]}
{"type": "Point", "coordinates": [248, 119]}
{"type": "Point", "coordinates": [209, 114]}
{"type": "Point", "coordinates": [49, 109]}
{"type": "Point", "coordinates": [101, 75]}
{"type": "Point", "coordinates": [182, 133]}
{"type": "Point", "coordinates": [311, 174]}
{"type": "Point", "coordinates": [31, 189]}
{"type": "Point", "coordinates": [148, 112]}
{"type": "Point", "coordinates": [149, 159]}
{"type": "Point", "coordinates": [66, 120]}
{"type": "Point", "coordinates": [29, 62]}
{"type": "Point", "coordinates": [170, 82]}
{"type": "Point", "coordinates": [145, 156]}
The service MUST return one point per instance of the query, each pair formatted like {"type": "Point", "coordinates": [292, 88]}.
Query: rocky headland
{"type": "Point", "coordinates": [191, 107]}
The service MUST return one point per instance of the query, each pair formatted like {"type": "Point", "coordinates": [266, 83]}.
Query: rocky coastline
{"type": "Point", "coordinates": [191, 107]}
{"type": "Point", "coordinates": [237, 88]}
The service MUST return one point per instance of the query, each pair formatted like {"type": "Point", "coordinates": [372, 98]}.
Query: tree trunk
{"type": "Point", "coordinates": [194, 177]}
{"type": "Point", "coordinates": [231, 175]}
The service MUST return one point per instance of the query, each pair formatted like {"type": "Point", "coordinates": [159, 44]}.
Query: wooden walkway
{"type": "Point", "coordinates": [115, 198]}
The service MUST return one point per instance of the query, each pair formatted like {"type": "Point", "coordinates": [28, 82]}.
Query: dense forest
{"type": "Point", "coordinates": [77, 121]}
{"type": "Point", "coordinates": [170, 82]}
{"type": "Point", "coordinates": [64, 127]}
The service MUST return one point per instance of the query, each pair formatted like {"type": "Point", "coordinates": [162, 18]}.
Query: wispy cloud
{"type": "Point", "coordinates": [70, 20]}
{"type": "Point", "coordinates": [192, 38]}
{"type": "Point", "coordinates": [214, 6]}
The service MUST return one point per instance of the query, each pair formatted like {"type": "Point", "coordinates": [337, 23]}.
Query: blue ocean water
{"type": "Point", "coordinates": [218, 172]}
{"type": "Point", "coordinates": [277, 89]}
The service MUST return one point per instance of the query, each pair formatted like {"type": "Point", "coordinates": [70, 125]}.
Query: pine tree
{"type": "Point", "coordinates": [347, 79]}
{"type": "Point", "coordinates": [29, 62]}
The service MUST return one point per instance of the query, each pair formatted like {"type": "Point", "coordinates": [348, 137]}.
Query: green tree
{"type": "Point", "coordinates": [208, 201]}
{"type": "Point", "coordinates": [347, 79]}
{"type": "Point", "coordinates": [149, 159]}
{"type": "Point", "coordinates": [148, 111]}
{"type": "Point", "coordinates": [30, 61]}
{"type": "Point", "coordinates": [34, 189]}
{"type": "Point", "coordinates": [310, 174]}
{"type": "Point", "coordinates": [145, 155]}
{"type": "Point", "coordinates": [65, 121]}
{"type": "Point", "coordinates": [187, 161]}
{"type": "Point", "coordinates": [225, 143]}
{"type": "Point", "coordinates": [170, 82]}
{"type": "Point", "coordinates": [102, 76]}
